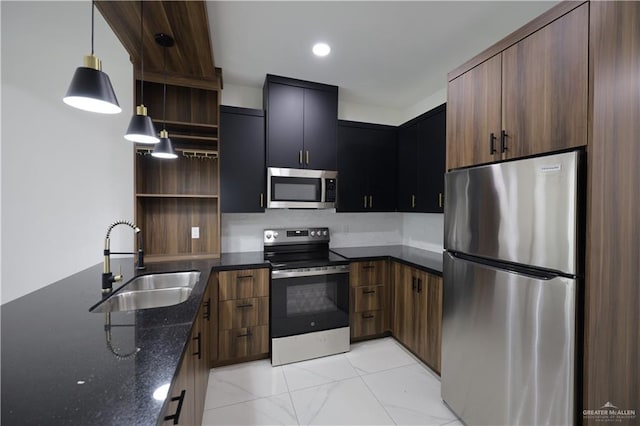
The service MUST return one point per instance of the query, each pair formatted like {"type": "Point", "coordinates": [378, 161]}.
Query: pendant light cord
{"type": "Point", "coordinates": [92, 18]}
{"type": "Point", "coordinates": [164, 92]}
{"type": "Point", "coordinates": [141, 53]}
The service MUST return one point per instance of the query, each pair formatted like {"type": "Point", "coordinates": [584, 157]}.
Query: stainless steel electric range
{"type": "Point", "coordinates": [309, 315]}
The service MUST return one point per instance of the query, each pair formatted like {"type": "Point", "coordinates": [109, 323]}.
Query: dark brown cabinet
{"type": "Point", "coordinates": [366, 167]}
{"type": "Point", "coordinates": [301, 123]}
{"type": "Point", "coordinates": [531, 98]}
{"type": "Point", "coordinates": [421, 162]}
{"type": "Point", "coordinates": [417, 313]}
{"type": "Point", "coordinates": [188, 392]}
{"type": "Point", "coordinates": [369, 298]}
{"type": "Point", "coordinates": [242, 167]}
{"type": "Point", "coordinates": [243, 315]}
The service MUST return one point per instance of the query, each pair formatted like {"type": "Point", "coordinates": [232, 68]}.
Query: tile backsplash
{"type": "Point", "coordinates": [243, 231]}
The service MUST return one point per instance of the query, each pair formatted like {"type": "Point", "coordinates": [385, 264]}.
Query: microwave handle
{"type": "Point", "coordinates": [323, 190]}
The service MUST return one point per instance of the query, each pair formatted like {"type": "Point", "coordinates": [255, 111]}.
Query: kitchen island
{"type": "Point", "coordinates": [60, 366]}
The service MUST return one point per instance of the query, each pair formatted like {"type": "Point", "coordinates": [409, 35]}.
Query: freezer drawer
{"type": "Point", "coordinates": [523, 211]}
{"type": "Point", "coordinates": [508, 346]}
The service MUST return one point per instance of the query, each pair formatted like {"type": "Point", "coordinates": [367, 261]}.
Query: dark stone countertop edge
{"type": "Point", "coordinates": [386, 253]}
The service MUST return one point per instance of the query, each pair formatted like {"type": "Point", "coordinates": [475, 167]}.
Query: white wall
{"type": "Point", "coordinates": [423, 230]}
{"type": "Point", "coordinates": [428, 103]}
{"type": "Point", "coordinates": [243, 232]}
{"type": "Point", "coordinates": [241, 96]}
{"type": "Point", "coordinates": [66, 173]}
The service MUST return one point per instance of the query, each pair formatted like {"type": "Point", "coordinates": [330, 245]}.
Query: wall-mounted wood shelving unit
{"type": "Point", "coordinates": [172, 196]}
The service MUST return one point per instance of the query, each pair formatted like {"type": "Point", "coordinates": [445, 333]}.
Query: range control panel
{"type": "Point", "coordinates": [296, 235]}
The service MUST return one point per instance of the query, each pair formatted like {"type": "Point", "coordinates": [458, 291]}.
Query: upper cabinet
{"type": "Point", "coordinates": [527, 99]}
{"type": "Point", "coordinates": [421, 163]}
{"type": "Point", "coordinates": [366, 167]}
{"type": "Point", "coordinates": [242, 168]}
{"type": "Point", "coordinates": [301, 123]}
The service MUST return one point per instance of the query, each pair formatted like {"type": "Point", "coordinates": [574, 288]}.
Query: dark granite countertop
{"type": "Point", "coordinates": [429, 261]}
{"type": "Point", "coordinates": [57, 367]}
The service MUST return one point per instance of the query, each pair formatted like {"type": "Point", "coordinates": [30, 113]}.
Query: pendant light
{"type": "Point", "coordinates": [141, 128]}
{"type": "Point", "coordinates": [90, 88]}
{"type": "Point", "coordinates": [164, 149]}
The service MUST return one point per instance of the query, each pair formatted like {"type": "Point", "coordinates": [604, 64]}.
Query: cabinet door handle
{"type": "Point", "coordinates": [368, 291]}
{"type": "Point", "coordinates": [245, 305]}
{"type": "Point", "coordinates": [503, 141]}
{"type": "Point", "coordinates": [307, 157]}
{"type": "Point", "coordinates": [176, 417]}
{"type": "Point", "coordinates": [262, 199]}
{"type": "Point", "coordinates": [413, 201]}
{"type": "Point", "coordinates": [419, 285]}
{"type": "Point", "coordinates": [368, 266]}
{"type": "Point", "coordinates": [244, 277]}
{"type": "Point", "coordinates": [247, 334]}
{"type": "Point", "coordinates": [207, 312]}
{"type": "Point", "coordinates": [199, 351]}
{"type": "Point", "coordinates": [368, 316]}
{"type": "Point", "coordinates": [300, 157]}
{"type": "Point", "coordinates": [413, 283]}
{"type": "Point", "coordinates": [440, 199]}
{"type": "Point", "coordinates": [370, 201]}
{"type": "Point", "coordinates": [492, 144]}
{"type": "Point", "coordinates": [365, 201]}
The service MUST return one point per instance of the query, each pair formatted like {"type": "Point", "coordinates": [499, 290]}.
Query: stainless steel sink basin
{"type": "Point", "coordinates": [151, 291]}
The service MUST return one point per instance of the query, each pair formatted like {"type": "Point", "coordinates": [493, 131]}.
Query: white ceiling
{"type": "Point", "coordinates": [383, 53]}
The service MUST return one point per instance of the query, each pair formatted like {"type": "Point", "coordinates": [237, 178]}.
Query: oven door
{"type": "Point", "coordinates": [309, 299]}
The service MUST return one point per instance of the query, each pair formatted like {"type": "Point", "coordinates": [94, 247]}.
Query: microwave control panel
{"type": "Point", "coordinates": [330, 191]}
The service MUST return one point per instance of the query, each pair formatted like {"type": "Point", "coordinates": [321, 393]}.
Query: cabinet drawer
{"type": "Point", "coordinates": [367, 323]}
{"type": "Point", "coordinates": [243, 342]}
{"type": "Point", "coordinates": [369, 273]}
{"type": "Point", "coordinates": [243, 284]}
{"type": "Point", "coordinates": [241, 313]}
{"type": "Point", "coordinates": [368, 298]}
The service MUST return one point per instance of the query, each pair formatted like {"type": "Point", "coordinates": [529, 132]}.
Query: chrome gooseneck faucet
{"type": "Point", "coordinates": [107, 276]}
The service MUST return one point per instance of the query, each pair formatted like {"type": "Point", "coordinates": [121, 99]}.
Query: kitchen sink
{"type": "Point", "coordinates": [150, 291]}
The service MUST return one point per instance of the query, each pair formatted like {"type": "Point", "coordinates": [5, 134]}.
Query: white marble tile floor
{"type": "Point", "coordinates": [377, 383]}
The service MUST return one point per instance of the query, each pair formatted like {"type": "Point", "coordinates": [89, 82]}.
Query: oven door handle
{"type": "Point", "coordinates": [275, 275]}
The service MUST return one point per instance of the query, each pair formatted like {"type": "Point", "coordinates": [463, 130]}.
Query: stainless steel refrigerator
{"type": "Point", "coordinates": [512, 271]}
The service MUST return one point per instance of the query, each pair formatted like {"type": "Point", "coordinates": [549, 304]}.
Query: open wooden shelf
{"type": "Point", "coordinates": [176, 196]}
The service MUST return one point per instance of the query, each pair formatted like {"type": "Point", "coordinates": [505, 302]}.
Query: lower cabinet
{"type": "Point", "coordinates": [417, 312]}
{"type": "Point", "coordinates": [369, 298]}
{"type": "Point", "coordinates": [243, 315]}
{"type": "Point", "coordinates": [189, 390]}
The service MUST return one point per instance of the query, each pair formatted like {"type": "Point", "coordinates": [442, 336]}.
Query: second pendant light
{"type": "Point", "coordinates": [164, 149]}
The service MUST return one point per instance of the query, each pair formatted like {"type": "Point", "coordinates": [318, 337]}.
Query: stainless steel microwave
{"type": "Point", "coordinates": [301, 188]}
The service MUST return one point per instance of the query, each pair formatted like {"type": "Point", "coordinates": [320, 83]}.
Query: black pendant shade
{"type": "Point", "coordinates": [141, 128]}
{"type": "Point", "coordinates": [164, 148]}
{"type": "Point", "coordinates": [91, 90]}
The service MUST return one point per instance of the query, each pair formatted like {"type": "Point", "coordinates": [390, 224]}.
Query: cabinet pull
{"type": "Point", "coordinates": [176, 417]}
{"type": "Point", "coordinates": [492, 144]}
{"type": "Point", "coordinates": [419, 285]}
{"type": "Point", "coordinates": [413, 283]}
{"type": "Point", "coordinates": [247, 334]}
{"type": "Point", "coordinates": [368, 316]}
{"type": "Point", "coordinates": [413, 201]}
{"type": "Point", "coordinates": [261, 199]}
{"type": "Point", "coordinates": [300, 156]}
{"type": "Point", "coordinates": [245, 305]}
{"type": "Point", "coordinates": [207, 312]}
{"type": "Point", "coordinates": [307, 157]}
{"type": "Point", "coordinates": [370, 201]}
{"type": "Point", "coordinates": [244, 277]}
{"type": "Point", "coordinates": [368, 291]}
{"type": "Point", "coordinates": [199, 352]}
{"type": "Point", "coordinates": [440, 199]}
{"type": "Point", "coordinates": [365, 201]}
{"type": "Point", "coordinates": [368, 266]}
{"type": "Point", "coordinates": [503, 141]}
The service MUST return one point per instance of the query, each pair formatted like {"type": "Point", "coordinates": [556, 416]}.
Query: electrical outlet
{"type": "Point", "coordinates": [195, 232]}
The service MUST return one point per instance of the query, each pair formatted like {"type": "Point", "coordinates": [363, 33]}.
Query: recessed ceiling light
{"type": "Point", "coordinates": [321, 49]}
